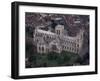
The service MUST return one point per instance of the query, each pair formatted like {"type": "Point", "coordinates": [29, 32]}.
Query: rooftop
{"type": "Point", "coordinates": [46, 32]}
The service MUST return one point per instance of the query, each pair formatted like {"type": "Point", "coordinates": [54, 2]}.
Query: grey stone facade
{"type": "Point", "coordinates": [58, 41]}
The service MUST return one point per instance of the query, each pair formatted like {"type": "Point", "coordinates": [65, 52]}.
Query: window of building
{"type": "Point", "coordinates": [39, 48]}
{"type": "Point", "coordinates": [42, 48]}
{"type": "Point", "coordinates": [72, 49]}
{"type": "Point", "coordinates": [54, 47]}
{"type": "Point", "coordinates": [67, 47]}
{"type": "Point", "coordinates": [77, 45]}
{"type": "Point", "coordinates": [57, 31]}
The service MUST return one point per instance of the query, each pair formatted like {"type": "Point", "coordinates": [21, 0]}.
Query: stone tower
{"type": "Point", "coordinates": [59, 30]}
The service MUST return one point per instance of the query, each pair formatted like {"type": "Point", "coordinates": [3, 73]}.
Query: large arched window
{"type": "Point", "coordinates": [68, 48]}
{"type": "Point", "coordinates": [54, 47]}
{"type": "Point", "coordinates": [77, 45]}
{"type": "Point", "coordinates": [39, 48]}
{"type": "Point", "coordinates": [58, 32]}
{"type": "Point", "coordinates": [42, 49]}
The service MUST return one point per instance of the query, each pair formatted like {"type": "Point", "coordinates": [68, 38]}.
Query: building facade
{"type": "Point", "coordinates": [57, 41]}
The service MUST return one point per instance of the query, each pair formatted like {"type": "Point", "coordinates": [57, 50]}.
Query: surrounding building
{"type": "Point", "coordinates": [57, 41]}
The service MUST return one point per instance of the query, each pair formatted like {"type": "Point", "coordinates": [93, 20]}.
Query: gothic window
{"type": "Point", "coordinates": [42, 48]}
{"type": "Point", "coordinates": [72, 49]}
{"type": "Point", "coordinates": [39, 48]}
{"type": "Point", "coordinates": [67, 47]}
{"type": "Point", "coordinates": [54, 47]}
{"type": "Point", "coordinates": [57, 32]}
{"type": "Point", "coordinates": [63, 47]}
{"type": "Point", "coordinates": [77, 45]}
{"type": "Point", "coordinates": [70, 43]}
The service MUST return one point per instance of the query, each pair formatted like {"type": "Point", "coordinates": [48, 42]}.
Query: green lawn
{"type": "Point", "coordinates": [53, 59]}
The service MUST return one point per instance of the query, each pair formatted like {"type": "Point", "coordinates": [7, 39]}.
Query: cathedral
{"type": "Point", "coordinates": [57, 41]}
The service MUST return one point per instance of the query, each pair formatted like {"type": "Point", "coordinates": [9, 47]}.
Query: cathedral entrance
{"type": "Point", "coordinates": [54, 48]}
